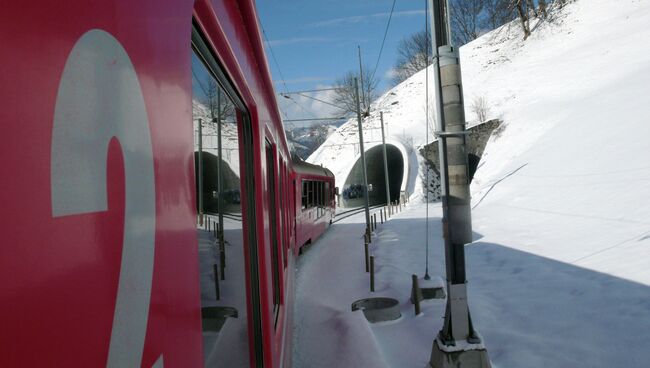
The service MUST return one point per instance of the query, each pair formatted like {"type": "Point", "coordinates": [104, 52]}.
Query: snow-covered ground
{"type": "Point", "coordinates": [532, 311]}
{"type": "Point", "coordinates": [559, 272]}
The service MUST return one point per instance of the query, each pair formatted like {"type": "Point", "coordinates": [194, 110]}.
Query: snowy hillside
{"type": "Point", "coordinates": [404, 109]}
{"type": "Point", "coordinates": [569, 177]}
{"type": "Point", "coordinates": [559, 272]}
{"type": "Point", "coordinates": [305, 140]}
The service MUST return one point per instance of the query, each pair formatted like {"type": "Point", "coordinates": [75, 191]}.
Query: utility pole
{"type": "Point", "coordinates": [363, 160]}
{"type": "Point", "coordinates": [383, 140]}
{"type": "Point", "coordinates": [457, 331]}
{"type": "Point", "coordinates": [200, 171]}
{"type": "Point", "coordinates": [219, 173]}
{"type": "Point", "coordinates": [363, 93]}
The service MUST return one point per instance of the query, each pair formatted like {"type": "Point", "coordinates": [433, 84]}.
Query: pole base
{"type": "Point", "coordinates": [462, 356]}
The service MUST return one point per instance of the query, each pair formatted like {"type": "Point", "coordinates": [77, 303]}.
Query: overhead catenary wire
{"type": "Point", "coordinates": [276, 64]}
{"type": "Point", "coordinates": [287, 94]}
{"type": "Point", "coordinates": [321, 101]}
{"type": "Point", "coordinates": [384, 40]}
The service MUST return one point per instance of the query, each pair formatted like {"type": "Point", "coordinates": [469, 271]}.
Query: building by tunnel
{"type": "Point", "coordinates": [352, 192]}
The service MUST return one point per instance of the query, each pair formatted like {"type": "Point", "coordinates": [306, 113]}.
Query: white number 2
{"type": "Point", "coordinates": [99, 98]}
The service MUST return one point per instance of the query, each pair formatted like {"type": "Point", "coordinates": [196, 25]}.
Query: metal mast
{"type": "Point", "coordinates": [383, 140]}
{"type": "Point", "coordinates": [363, 159]}
{"type": "Point", "coordinates": [456, 222]}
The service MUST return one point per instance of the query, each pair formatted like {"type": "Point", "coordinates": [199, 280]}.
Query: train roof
{"type": "Point", "coordinates": [311, 169]}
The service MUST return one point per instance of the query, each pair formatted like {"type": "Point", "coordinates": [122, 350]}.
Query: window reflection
{"type": "Point", "coordinates": [219, 225]}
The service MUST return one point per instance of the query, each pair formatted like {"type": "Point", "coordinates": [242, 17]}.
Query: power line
{"type": "Point", "coordinates": [276, 63]}
{"type": "Point", "coordinates": [312, 90]}
{"type": "Point", "coordinates": [321, 101]}
{"type": "Point", "coordinates": [317, 119]}
{"type": "Point", "coordinates": [299, 105]}
{"type": "Point", "coordinates": [384, 40]}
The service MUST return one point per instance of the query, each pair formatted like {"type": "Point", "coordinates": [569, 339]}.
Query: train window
{"type": "Point", "coordinates": [275, 259]}
{"type": "Point", "coordinates": [310, 193]}
{"type": "Point", "coordinates": [282, 192]}
{"type": "Point", "coordinates": [222, 138]}
{"type": "Point", "coordinates": [319, 197]}
{"type": "Point", "coordinates": [327, 193]}
{"type": "Point", "coordinates": [305, 195]}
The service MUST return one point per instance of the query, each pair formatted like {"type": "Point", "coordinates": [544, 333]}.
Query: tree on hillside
{"type": "Point", "coordinates": [531, 7]}
{"type": "Point", "coordinates": [412, 55]}
{"type": "Point", "coordinates": [466, 20]}
{"type": "Point", "coordinates": [345, 97]}
{"type": "Point", "coordinates": [497, 13]}
{"type": "Point", "coordinates": [542, 8]}
{"type": "Point", "coordinates": [523, 17]}
{"type": "Point", "coordinates": [217, 102]}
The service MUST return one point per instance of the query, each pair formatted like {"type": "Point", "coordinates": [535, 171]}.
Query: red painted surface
{"type": "Point", "coordinates": [60, 275]}
{"type": "Point", "coordinates": [309, 226]}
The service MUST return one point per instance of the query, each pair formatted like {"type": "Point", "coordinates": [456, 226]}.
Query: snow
{"type": "Point", "coordinates": [559, 270]}
{"type": "Point", "coordinates": [229, 346]}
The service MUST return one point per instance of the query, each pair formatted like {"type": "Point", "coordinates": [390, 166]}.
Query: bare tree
{"type": "Point", "coordinates": [542, 8]}
{"type": "Point", "coordinates": [523, 17]}
{"type": "Point", "coordinates": [466, 20]}
{"type": "Point", "coordinates": [413, 55]}
{"type": "Point", "coordinates": [480, 108]}
{"type": "Point", "coordinates": [218, 103]}
{"type": "Point", "coordinates": [497, 13]}
{"type": "Point", "coordinates": [531, 7]}
{"type": "Point", "coordinates": [345, 94]}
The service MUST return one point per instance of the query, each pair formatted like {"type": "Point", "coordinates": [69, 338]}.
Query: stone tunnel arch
{"type": "Point", "coordinates": [353, 187]}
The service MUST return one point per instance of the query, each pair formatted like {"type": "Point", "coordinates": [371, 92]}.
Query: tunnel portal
{"type": "Point", "coordinates": [352, 192]}
{"type": "Point", "coordinates": [230, 184]}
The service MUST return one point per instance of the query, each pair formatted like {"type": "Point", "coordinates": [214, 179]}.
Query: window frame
{"type": "Point", "coordinates": [200, 47]}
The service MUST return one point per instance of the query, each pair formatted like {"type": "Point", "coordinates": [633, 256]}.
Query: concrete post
{"type": "Point", "coordinates": [365, 250]}
{"type": "Point", "coordinates": [200, 172]}
{"type": "Point", "coordinates": [415, 293]}
{"type": "Point", "coordinates": [372, 274]}
{"type": "Point", "coordinates": [217, 290]}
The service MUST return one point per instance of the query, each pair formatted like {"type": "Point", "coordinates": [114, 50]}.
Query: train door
{"type": "Point", "coordinates": [227, 252]}
{"type": "Point", "coordinates": [292, 205]}
{"type": "Point", "coordinates": [274, 237]}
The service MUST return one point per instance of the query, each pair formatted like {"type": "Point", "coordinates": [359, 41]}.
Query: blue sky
{"type": "Point", "coordinates": [315, 43]}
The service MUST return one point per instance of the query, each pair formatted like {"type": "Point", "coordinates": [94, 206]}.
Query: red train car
{"type": "Point", "coordinates": [121, 121]}
{"type": "Point", "coordinates": [315, 201]}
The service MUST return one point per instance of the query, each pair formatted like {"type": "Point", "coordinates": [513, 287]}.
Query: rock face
{"type": "Point", "coordinates": [476, 142]}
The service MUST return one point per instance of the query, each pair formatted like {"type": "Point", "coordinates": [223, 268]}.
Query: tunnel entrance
{"type": "Point", "coordinates": [472, 165]}
{"type": "Point", "coordinates": [352, 192]}
{"type": "Point", "coordinates": [229, 184]}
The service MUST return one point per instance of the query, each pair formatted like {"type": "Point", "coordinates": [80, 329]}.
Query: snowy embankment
{"type": "Point", "coordinates": [559, 272]}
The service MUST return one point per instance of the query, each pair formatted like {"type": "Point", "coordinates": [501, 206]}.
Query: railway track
{"type": "Point", "coordinates": [348, 213]}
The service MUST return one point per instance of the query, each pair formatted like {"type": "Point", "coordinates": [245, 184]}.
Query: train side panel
{"type": "Point", "coordinates": [313, 218]}
{"type": "Point", "coordinates": [70, 233]}
{"type": "Point", "coordinates": [99, 262]}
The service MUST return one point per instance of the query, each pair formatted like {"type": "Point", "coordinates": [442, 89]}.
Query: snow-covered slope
{"type": "Point", "coordinates": [569, 177]}
{"type": "Point", "coordinates": [559, 272]}
{"type": "Point", "coordinates": [404, 109]}
{"type": "Point", "coordinates": [574, 98]}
